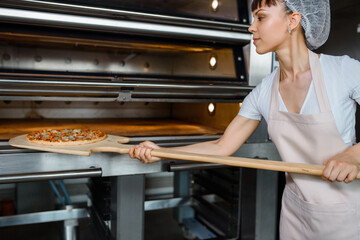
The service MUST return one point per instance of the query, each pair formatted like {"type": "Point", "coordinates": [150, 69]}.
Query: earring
{"type": "Point", "coordinates": [289, 30]}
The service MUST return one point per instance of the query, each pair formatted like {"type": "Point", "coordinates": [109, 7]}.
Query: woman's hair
{"type": "Point", "coordinates": [258, 3]}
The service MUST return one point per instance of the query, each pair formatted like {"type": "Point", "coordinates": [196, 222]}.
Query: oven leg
{"type": "Point", "coordinates": [182, 189]}
{"type": "Point", "coordinates": [127, 207]}
{"type": "Point", "coordinates": [71, 229]}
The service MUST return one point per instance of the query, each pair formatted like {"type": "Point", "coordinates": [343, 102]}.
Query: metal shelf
{"type": "Point", "coordinates": [39, 88]}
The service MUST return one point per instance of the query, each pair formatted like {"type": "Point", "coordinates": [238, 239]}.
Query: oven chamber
{"type": "Point", "coordinates": [148, 70]}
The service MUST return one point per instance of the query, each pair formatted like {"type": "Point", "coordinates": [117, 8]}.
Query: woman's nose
{"type": "Point", "coordinates": [251, 28]}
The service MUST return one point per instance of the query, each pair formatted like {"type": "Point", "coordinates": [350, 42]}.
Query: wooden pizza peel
{"type": "Point", "coordinates": [116, 144]}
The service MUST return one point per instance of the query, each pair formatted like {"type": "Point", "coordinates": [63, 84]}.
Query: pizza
{"type": "Point", "coordinates": [65, 137]}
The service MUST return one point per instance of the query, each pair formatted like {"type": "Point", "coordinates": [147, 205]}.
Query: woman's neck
{"type": "Point", "coordinates": [293, 59]}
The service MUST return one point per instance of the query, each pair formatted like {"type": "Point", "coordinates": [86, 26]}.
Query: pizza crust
{"type": "Point", "coordinates": [65, 137]}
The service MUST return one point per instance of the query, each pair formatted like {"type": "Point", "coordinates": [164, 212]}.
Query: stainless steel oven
{"type": "Point", "coordinates": [174, 72]}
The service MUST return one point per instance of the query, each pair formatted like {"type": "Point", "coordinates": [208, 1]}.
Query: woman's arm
{"type": "Point", "coordinates": [238, 131]}
{"type": "Point", "coordinates": [343, 166]}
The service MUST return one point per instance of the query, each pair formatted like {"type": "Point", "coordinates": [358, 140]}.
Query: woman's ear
{"type": "Point", "coordinates": [295, 19]}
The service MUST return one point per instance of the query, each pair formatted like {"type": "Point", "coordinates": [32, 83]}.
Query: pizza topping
{"type": "Point", "coordinates": [66, 135]}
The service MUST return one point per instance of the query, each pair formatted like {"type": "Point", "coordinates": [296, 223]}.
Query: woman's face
{"type": "Point", "coordinates": [270, 28]}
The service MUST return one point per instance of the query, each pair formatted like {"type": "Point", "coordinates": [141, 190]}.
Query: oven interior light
{"type": "Point", "coordinates": [146, 67]}
{"type": "Point", "coordinates": [211, 108]}
{"type": "Point", "coordinates": [213, 62]}
{"type": "Point", "coordinates": [214, 5]}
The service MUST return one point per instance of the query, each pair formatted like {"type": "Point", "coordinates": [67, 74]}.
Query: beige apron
{"type": "Point", "coordinates": [313, 208]}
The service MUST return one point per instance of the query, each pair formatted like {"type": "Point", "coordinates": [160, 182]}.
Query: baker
{"type": "Point", "coordinates": [309, 103]}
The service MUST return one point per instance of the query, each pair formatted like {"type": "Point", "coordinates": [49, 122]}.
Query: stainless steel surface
{"type": "Point", "coordinates": [166, 203]}
{"type": "Point", "coordinates": [209, 96]}
{"type": "Point", "coordinates": [79, 110]}
{"type": "Point", "coordinates": [260, 65]}
{"type": "Point", "coordinates": [38, 176]}
{"type": "Point", "coordinates": [58, 99]}
{"type": "Point", "coordinates": [228, 8]}
{"type": "Point", "coordinates": [127, 207]}
{"type": "Point", "coordinates": [121, 26]}
{"type": "Point", "coordinates": [123, 84]}
{"type": "Point", "coordinates": [266, 190]}
{"type": "Point", "coordinates": [33, 52]}
{"type": "Point", "coordinates": [182, 189]}
{"type": "Point", "coordinates": [266, 221]}
{"type": "Point", "coordinates": [52, 91]}
{"type": "Point", "coordinates": [70, 229]}
{"type": "Point", "coordinates": [111, 164]}
{"type": "Point", "coordinates": [41, 217]}
{"type": "Point", "coordinates": [14, 166]}
{"type": "Point", "coordinates": [136, 90]}
{"type": "Point", "coordinates": [199, 99]}
{"type": "Point", "coordinates": [157, 92]}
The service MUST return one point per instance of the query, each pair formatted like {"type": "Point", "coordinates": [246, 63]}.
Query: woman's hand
{"type": "Point", "coordinates": [342, 167]}
{"type": "Point", "coordinates": [143, 152]}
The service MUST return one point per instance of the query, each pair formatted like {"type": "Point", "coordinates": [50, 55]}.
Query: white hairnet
{"type": "Point", "coordinates": [315, 19]}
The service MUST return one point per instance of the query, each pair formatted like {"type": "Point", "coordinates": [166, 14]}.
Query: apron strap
{"type": "Point", "coordinates": [319, 84]}
{"type": "Point", "coordinates": [274, 103]}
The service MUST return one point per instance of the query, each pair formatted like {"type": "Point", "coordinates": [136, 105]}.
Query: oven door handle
{"type": "Point", "coordinates": [26, 177]}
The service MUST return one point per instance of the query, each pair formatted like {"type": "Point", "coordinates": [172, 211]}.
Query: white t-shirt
{"type": "Point", "coordinates": [342, 82]}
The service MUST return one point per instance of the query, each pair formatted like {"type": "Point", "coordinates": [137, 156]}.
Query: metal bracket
{"type": "Point", "coordinates": [124, 97]}
{"type": "Point", "coordinates": [41, 217]}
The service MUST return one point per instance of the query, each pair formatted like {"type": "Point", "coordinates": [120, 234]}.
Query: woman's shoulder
{"type": "Point", "coordinates": [337, 62]}
{"type": "Point", "coordinates": [268, 79]}
{"type": "Point", "coordinates": [341, 72]}
{"type": "Point", "coordinates": [264, 87]}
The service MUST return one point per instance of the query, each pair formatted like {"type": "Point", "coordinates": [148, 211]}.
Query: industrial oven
{"type": "Point", "coordinates": [173, 72]}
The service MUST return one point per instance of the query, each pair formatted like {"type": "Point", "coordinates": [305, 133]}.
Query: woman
{"type": "Point", "coordinates": [309, 104]}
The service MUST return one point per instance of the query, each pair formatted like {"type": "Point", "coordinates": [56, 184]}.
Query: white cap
{"type": "Point", "coordinates": [315, 20]}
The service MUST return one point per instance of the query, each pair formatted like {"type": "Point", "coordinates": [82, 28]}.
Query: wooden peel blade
{"type": "Point", "coordinates": [115, 144]}
{"type": "Point", "coordinates": [110, 144]}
